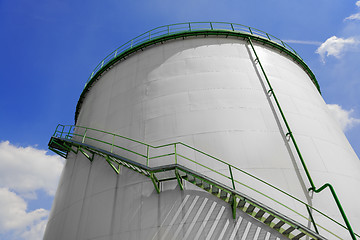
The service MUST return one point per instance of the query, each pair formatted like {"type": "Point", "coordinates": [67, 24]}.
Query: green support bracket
{"type": "Point", "coordinates": [58, 152]}
{"type": "Point", "coordinates": [86, 155]}
{"type": "Point", "coordinates": [179, 179]}
{"type": "Point", "coordinates": [155, 182]}
{"type": "Point", "coordinates": [117, 170]}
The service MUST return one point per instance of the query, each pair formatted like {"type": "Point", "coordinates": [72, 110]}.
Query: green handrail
{"type": "Point", "coordinates": [172, 29]}
{"type": "Point", "coordinates": [313, 187]}
{"type": "Point", "coordinates": [62, 132]}
{"type": "Point", "coordinates": [182, 30]}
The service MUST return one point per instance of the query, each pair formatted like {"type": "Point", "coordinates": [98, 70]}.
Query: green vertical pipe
{"type": "Point", "coordinates": [313, 188]}
{"type": "Point", "coordinates": [339, 206]}
{"type": "Point", "coordinates": [283, 117]}
{"type": "Point", "coordinates": [312, 219]}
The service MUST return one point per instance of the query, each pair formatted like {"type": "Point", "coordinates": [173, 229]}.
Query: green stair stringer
{"type": "Point", "coordinates": [236, 199]}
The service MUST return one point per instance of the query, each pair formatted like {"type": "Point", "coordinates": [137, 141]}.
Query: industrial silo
{"type": "Point", "coordinates": [204, 131]}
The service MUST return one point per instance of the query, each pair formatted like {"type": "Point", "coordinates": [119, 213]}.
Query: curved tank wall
{"type": "Point", "coordinates": [94, 203]}
{"type": "Point", "coordinates": [210, 93]}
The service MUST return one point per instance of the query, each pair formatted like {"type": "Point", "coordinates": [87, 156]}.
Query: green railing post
{"type": "Point", "coordinates": [233, 204]}
{"type": "Point", "coordinates": [83, 140]}
{"type": "Point", "coordinates": [268, 36]}
{"type": "Point", "coordinates": [62, 131]}
{"type": "Point", "coordinates": [112, 144]}
{"type": "Point", "coordinates": [56, 130]}
{"type": "Point", "coordinates": [250, 31]}
{"type": "Point", "coordinates": [211, 26]}
{"type": "Point", "coordinates": [147, 155]}
{"type": "Point", "coordinates": [175, 153]}
{"type": "Point", "coordinates": [232, 27]}
{"type": "Point", "coordinates": [68, 134]}
{"type": "Point", "coordinates": [232, 178]}
{"type": "Point", "coordinates": [115, 53]}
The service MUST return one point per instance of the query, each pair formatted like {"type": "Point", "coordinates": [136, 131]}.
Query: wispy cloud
{"type": "Point", "coordinates": [343, 116]}
{"type": "Point", "coordinates": [355, 16]}
{"type": "Point", "coordinates": [303, 42]}
{"type": "Point", "coordinates": [335, 46]}
{"type": "Point", "coordinates": [23, 171]}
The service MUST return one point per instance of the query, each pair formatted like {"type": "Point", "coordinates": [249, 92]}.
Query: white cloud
{"type": "Point", "coordinates": [28, 169]}
{"type": "Point", "coordinates": [335, 46]}
{"type": "Point", "coordinates": [355, 16]}
{"type": "Point", "coordinates": [13, 212]}
{"type": "Point", "coordinates": [23, 171]}
{"type": "Point", "coordinates": [343, 116]}
{"type": "Point", "coordinates": [36, 231]}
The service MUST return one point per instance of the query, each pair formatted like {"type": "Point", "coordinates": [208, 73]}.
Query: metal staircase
{"type": "Point", "coordinates": [76, 140]}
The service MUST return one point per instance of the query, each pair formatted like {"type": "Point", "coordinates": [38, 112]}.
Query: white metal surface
{"type": "Point", "coordinates": [209, 93]}
{"type": "Point", "coordinates": [98, 204]}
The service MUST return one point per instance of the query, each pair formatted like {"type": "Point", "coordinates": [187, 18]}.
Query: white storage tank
{"type": "Point", "coordinates": [240, 105]}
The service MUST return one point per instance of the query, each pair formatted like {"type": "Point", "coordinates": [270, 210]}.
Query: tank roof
{"type": "Point", "coordinates": [183, 30]}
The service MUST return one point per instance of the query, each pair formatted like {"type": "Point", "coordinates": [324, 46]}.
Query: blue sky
{"type": "Point", "coordinates": [49, 48]}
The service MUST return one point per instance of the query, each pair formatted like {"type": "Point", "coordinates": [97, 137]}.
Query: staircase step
{"type": "Point", "coordinates": [278, 225]}
{"type": "Point", "coordinates": [241, 203]}
{"type": "Point", "coordinates": [288, 231]}
{"type": "Point", "coordinates": [223, 195]}
{"type": "Point", "coordinates": [300, 235]}
{"type": "Point", "coordinates": [190, 178]}
{"type": "Point", "coordinates": [250, 209]}
{"type": "Point", "coordinates": [198, 182]}
{"type": "Point", "coordinates": [260, 213]}
{"type": "Point", "coordinates": [214, 190]}
{"type": "Point", "coordinates": [269, 219]}
{"type": "Point", "coordinates": [206, 186]}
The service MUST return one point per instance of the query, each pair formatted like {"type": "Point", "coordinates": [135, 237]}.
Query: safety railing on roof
{"type": "Point", "coordinates": [197, 160]}
{"type": "Point", "coordinates": [173, 29]}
